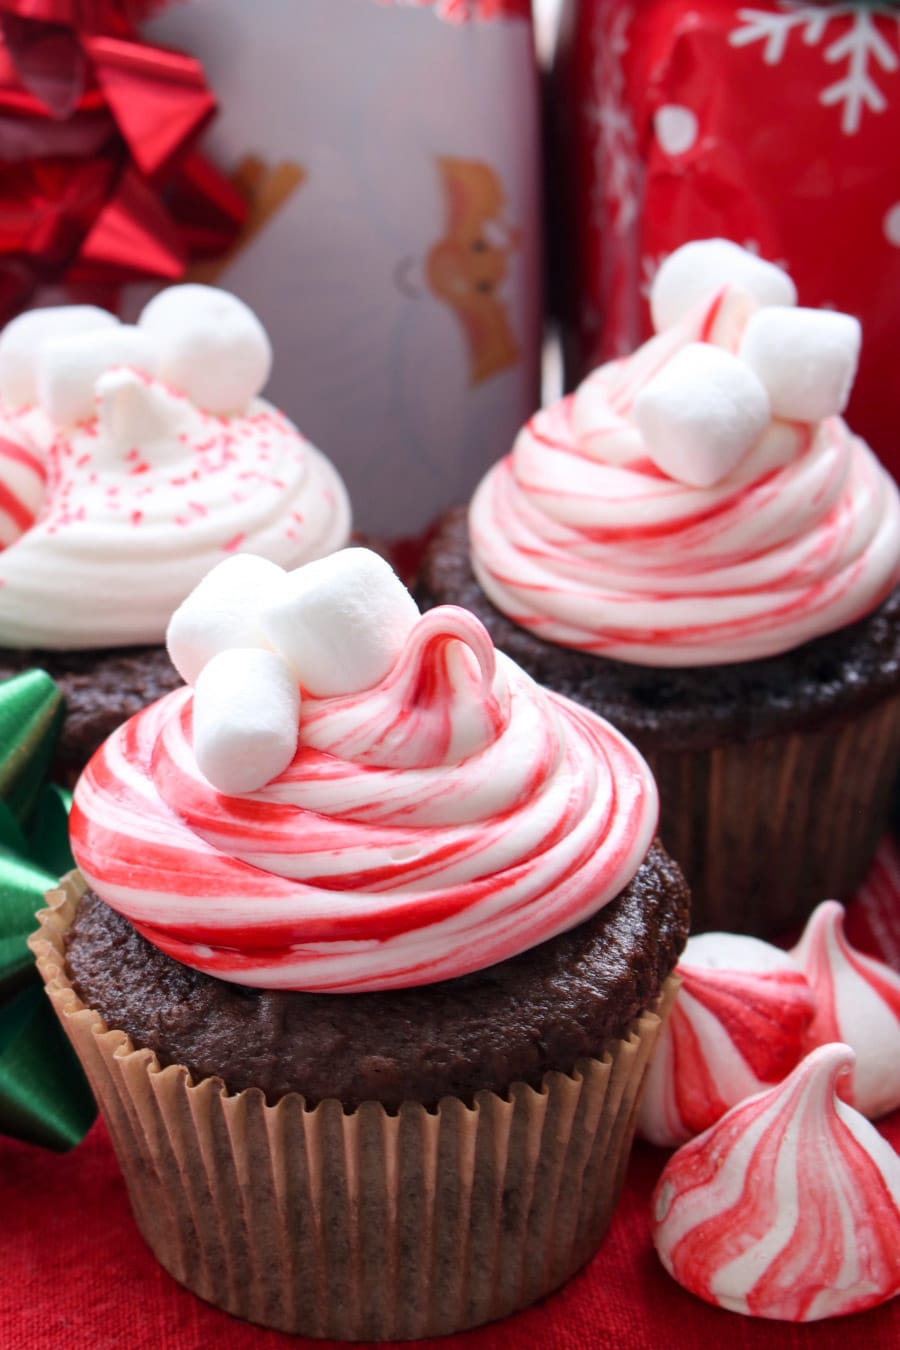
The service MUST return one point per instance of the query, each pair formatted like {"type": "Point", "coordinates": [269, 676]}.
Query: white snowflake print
{"type": "Point", "coordinates": [863, 45]}
{"type": "Point", "coordinates": [617, 175]}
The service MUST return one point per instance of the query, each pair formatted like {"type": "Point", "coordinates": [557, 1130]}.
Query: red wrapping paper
{"type": "Point", "coordinates": [772, 123]}
{"type": "Point", "coordinates": [77, 1274]}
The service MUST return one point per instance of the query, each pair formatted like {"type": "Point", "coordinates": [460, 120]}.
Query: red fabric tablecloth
{"type": "Point", "coordinates": [75, 1274]}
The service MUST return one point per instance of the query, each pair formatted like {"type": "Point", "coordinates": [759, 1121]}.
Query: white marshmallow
{"type": "Point", "coordinates": [23, 337]}
{"type": "Point", "coordinates": [246, 719]}
{"type": "Point", "coordinates": [806, 358]}
{"type": "Point", "coordinates": [69, 367]}
{"type": "Point", "coordinates": [341, 622]}
{"type": "Point", "coordinates": [136, 414]}
{"type": "Point", "coordinates": [692, 273]}
{"type": "Point", "coordinates": [701, 414]}
{"type": "Point", "coordinates": [222, 611]}
{"type": "Point", "coordinates": [214, 349]}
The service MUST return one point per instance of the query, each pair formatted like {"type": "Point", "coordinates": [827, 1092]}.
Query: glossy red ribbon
{"type": "Point", "coordinates": [99, 184]}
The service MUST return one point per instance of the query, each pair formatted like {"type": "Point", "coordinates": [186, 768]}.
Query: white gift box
{"type": "Point", "coordinates": [393, 253]}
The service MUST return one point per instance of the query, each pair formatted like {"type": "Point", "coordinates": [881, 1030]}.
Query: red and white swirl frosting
{"type": "Point", "coordinates": [446, 819]}
{"type": "Point", "coordinates": [789, 1207]}
{"type": "Point", "coordinates": [578, 536]}
{"type": "Point", "coordinates": [739, 1024]}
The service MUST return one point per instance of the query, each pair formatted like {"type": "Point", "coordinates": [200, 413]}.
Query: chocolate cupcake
{"type": "Point", "coordinates": [696, 547]}
{"type": "Point", "coordinates": [132, 459]}
{"type": "Point", "coordinates": [368, 976]}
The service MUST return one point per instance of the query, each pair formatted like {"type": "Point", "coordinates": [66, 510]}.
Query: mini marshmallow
{"type": "Point", "coordinates": [700, 414]}
{"type": "Point", "coordinates": [23, 337]}
{"type": "Point", "coordinates": [222, 611]}
{"type": "Point", "coordinates": [134, 413]}
{"type": "Point", "coordinates": [69, 367]}
{"type": "Point", "coordinates": [806, 358]}
{"type": "Point", "coordinates": [341, 622]}
{"type": "Point", "coordinates": [214, 349]}
{"type": "Point", "coordinates": [692, 273]}
{"type": "Point", "coordinates": [246, 719]}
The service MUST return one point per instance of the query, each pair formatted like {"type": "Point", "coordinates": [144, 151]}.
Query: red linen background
{"type": "Point", "coordinates": [75, 1274]}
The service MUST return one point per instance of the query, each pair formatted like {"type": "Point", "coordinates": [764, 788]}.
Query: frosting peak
{"type": "Point", "coordinates": [701, 501]}
{"type": "Point", "coordinates": [445, 818]}
{"type": "Point", "coordinates": [445, 700]}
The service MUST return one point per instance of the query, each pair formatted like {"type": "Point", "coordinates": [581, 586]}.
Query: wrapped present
{"type": "Point", "coordinates": [773, 123]}
{"type": "Point", "coordinates": [388, 151]}
{"type": "Point", "coordinates": [99, 180]}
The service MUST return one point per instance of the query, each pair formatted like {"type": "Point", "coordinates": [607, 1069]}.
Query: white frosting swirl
{"type": "Point", "coordinates": [580, 537]}
{"type": "Point", "coordinates": [140, 505]}
{"type": "Point", "coordinates": [119, 491]}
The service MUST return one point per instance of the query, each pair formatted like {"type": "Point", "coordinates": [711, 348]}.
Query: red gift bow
{"type": "Point", "coordinates": [98, 183]}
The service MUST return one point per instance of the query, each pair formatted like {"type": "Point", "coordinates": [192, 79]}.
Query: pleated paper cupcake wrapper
{"type": "Point", "coordinates": [765, 829]}
{"type": "Point", "coordinates": [359, 1225]}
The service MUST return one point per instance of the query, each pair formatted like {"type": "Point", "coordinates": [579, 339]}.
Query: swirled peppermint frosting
{"type": "Point", "coordinates": [442, 820]}
{"type": "Point", "coordinates": [594, 533]}
{"type": "Point", "coordinates": [133, 459]}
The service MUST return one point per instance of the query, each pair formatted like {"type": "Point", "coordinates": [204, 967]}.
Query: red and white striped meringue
{"type": "Point", "coordinates": [442, 821]}
{"type": "Point", "coordinates": [788, 1207]}
{"type": "Point", "coordinates": [858, 1001]}
{"type": "Point", "coordinates": [738, 1025]}
{"type": "Point", "coordinates": [578, 536]}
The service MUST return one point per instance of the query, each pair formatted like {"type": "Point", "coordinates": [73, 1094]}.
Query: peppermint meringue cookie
{"type": "Point", "coordinates": [788, 1207]}
{"type": "Point", "coordinates": [696, 546]}
{"type": "Point", "coordinates": [739, 1024]}
{"type": "Point", "coordinates": [858, 1002]}
{"type": "Point", "coordinates": [133, 458]}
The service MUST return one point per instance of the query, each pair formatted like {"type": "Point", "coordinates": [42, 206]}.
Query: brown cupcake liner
{"type": "Point", "coordinates": [765, 829]}
{"type": "Point", "coordinates": [359, 1225]}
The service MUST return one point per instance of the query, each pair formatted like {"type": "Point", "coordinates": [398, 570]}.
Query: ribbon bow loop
{"type": "Point", "coordinates": [44, 1097]}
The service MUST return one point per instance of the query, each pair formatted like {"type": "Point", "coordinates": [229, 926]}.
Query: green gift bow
{"type": "Point", "coordinates": [44, 1096]}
